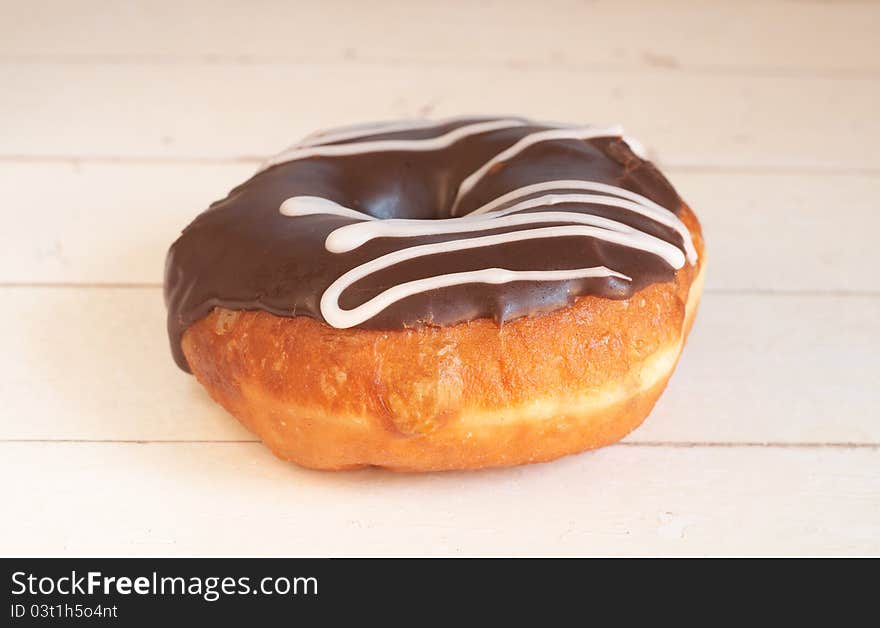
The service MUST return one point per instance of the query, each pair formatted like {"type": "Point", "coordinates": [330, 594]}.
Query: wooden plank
{"type": "Point", "coordinates": [745, 36]}
{"type": "Point", "coordinates": [125, 120]}
{"type": "Point", "coordinates": [113, 222]}
{"type": "Point", "coordinates": [758, 368]}
{"type": "Point", "coordinates": [84, 363]}
{"type": "Point", "coordinates": [93, 223]}
{"type": "Point", "coordinates": [194, 499]}
{"type": "Point", "coordinates": [783, 368]}
{"type": "Point", "coordinates": [192, 110]}
{"type": "Point", "coordinates": [787, 231]}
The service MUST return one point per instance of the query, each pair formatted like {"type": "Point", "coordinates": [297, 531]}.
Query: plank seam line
{"type": "Point", "coordinates": [128, 441]}
{"type": "Point", "coordinates": [109, 285]}
{"type": "Point", "coordinates": [674, 66]}
{"type": "Point", "coordinates": [750, 444]}
{"type": "Point", "coordinates": [648, 444]}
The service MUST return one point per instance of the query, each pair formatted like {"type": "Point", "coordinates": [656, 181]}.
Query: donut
{"type": "Point", "coordinates": [426, 295]}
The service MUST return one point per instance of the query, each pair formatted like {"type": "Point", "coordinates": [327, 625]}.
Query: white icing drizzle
{"type": "Point", "coordinates": [357, 131]}
{"type": "Point", "coordinates": [637, 203]}
{"type": "Point", "coordinates": [568, 184]}
{"type": "Point", "coordinates": [502, 212]}
{"type": "Point", "coordinates": [635, 146]}
{"type": "Point", "coordinates": [582, 133]}
{"type": "Point", "coordinates": [310, 205]}
{"type": "Point", "coordinates": [376, 146]}
{"type": "Point", "coordinates": [342, 319]}
{"type": "Point", "coordinates": [352, 236]}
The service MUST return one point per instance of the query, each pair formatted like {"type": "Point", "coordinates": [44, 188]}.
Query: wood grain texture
{"type": "Point", "coordinates": [182, 499]}
{"type": "Point", "coordinates": [123, 120]}
{"type": "Point", "coordinates": [95, 364]}
{"type": "Point", "coordinates": [222, 111]}
{"type": "Point", "coordinates": [708, 36]}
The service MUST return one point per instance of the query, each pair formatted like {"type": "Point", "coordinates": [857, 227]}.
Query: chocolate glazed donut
{"type": "Point", "coordinates": [329, 301]}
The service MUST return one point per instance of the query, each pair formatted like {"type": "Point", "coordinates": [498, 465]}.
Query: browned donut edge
{"type": "Point", "coordinates": [465, 396]}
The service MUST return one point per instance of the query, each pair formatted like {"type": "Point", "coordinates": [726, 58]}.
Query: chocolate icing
{"type": "Point", "coordinates": [242, 253]}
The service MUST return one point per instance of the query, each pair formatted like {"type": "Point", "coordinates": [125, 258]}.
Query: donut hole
{"type": "Point", "coordinates": [411, 198]}
{"type": "Point", "coordinates": [405, 188]}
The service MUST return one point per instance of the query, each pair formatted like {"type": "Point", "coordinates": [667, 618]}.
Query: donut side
{"type": "Point", "coordinates": [466, 396]}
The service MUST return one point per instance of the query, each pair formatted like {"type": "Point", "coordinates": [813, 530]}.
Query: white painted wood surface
{"type": "Point", "coordinates": [235, 498]}
{"type": "Point", "coordinates": [121, 121]}
{"type": "Point", "coordinates": [751, 36]}
{"type": "Point", "coordinates": [183, 110]}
